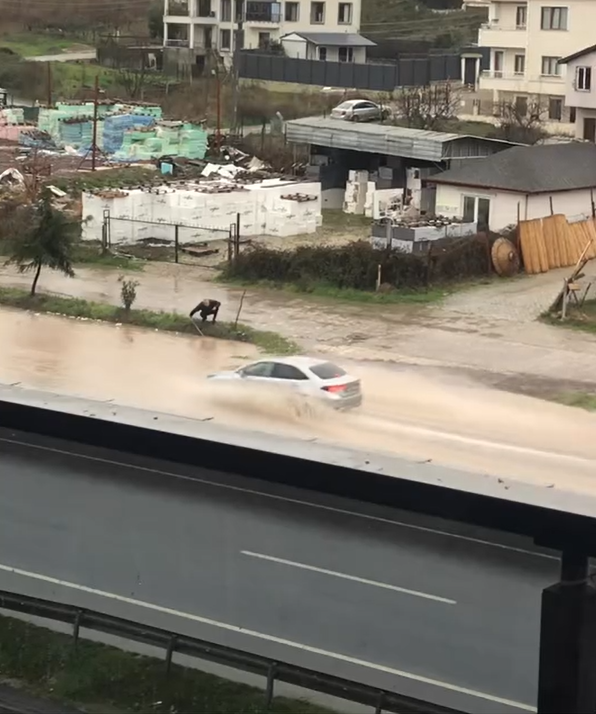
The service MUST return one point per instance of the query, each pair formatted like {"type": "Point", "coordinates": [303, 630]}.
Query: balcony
{"type": "Point", "coordinates": [522, 83]}
{"type": "Point", "coordinates": [263, 13]}
{"type": "Point", "coordinates": [204, 13]}
{"type": "Point", "coordinates": [177, 8]}
{"type": "Point", "coordinates": [491, 34]}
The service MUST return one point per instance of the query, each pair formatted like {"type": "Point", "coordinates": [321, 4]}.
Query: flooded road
{"type": "Point", "coordinates": [492, 327]}
{"type": "Point", "coordinates": [444, 420]}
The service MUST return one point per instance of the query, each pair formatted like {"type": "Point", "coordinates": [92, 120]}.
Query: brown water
{"type": "Point", "coordinates": [447, 421]}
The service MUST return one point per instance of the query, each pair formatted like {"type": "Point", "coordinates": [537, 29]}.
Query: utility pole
{"type": "Point", "coordinates": [49, 87]}
{"type": "Point", "coordinates": [95, 120]}
{"type": "Point", "coordinates": [238, 40]}
{"type": "Point", "coordinates": [218, 101]}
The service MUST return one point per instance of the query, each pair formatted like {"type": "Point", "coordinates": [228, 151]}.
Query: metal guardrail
{"type": "Point", "coordinates": [380, 699]}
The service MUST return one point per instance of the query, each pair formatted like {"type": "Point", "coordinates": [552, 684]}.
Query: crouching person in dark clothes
{"type": "Point", "coordinates": [206, 308]}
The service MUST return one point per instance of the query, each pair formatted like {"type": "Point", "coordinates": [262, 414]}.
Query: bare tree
{"type": "Point", "coordinates": [429, 107]}
{"type": "Point", "coordinates": [133, 80]}
{"type": "Point", "coordinates": [521, 123]}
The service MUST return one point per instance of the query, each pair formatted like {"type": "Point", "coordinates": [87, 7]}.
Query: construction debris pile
{"type": "Point", "coordinates": [124, 132]}
{"type": "Point", "coordinates": [553, 242]}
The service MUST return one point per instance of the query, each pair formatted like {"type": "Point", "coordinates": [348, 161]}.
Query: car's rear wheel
{"type": "Point", "coordinates": [303, 408]}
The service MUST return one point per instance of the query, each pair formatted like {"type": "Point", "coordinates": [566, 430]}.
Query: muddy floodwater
{"type": "Point", "coordinates": [444, 420]}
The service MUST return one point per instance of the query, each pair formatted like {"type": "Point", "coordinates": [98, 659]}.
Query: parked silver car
{"type": "Point", "coordinates": [359, 110]}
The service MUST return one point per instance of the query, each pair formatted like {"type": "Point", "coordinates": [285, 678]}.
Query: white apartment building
{"type": "Point", "coordinates": [205, 25]}
{"type": "Point", "coordinates": [526, 41]}
{"type": "Point", "coordinates": [580, 91]}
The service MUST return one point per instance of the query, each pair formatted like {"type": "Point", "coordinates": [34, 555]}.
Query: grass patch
{"type": "Point", "coordinates": [270, 342]}
{"type": "Point", "coordinates": [330, 292]}
{"type": "Point", "coordinates": [90, 254]}
{"type": "Point", "coordinates": [582, 400]}
{"type": "Point", "coordinates": [337, 219]}
{"type": "Point", "coordinates": [48, 665]}
{"type": "Point", "coordinates": [31, 44]}
{"type": "Point", "coordinates": [583, 319]}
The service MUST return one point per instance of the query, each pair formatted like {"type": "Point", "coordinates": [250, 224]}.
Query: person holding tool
{"type": "Point", "coordinates": [205, 309]}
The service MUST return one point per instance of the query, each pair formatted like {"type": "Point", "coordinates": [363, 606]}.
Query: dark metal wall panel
{"type": "Point", "coordinates": [406, 72]}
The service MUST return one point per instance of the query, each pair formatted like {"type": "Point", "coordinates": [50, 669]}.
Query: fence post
{"type": "Point", "coordinates": [237, 236]}
{"type": "Point", "coordinates": [176, 242]}
{"type": "Point", "coordinates": [105, 229]}
{"type": "Point", "coordinates": [231, 241]}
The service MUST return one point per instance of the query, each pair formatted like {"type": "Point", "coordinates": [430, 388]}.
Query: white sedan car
{"type": "Point", "coordinates": [305, 376]}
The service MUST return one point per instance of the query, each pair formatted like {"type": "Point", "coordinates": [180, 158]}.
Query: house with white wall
{"type": "Point", "coordinates": [521, 183]}
{"type": "Point", "coordinates": [526, 41]}
{"type": "Point", "coordinates": [204, 26]}
{"type": "Point", "coordinates": [580, 91]}
{"type": "Point", "coordinates": [326, 46]}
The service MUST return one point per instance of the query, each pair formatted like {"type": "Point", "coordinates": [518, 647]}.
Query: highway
{"type": "Point", "coordinates": [411, 605]}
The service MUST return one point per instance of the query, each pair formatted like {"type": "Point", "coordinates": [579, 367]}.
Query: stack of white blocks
{"type": "Point", "coordinates": [203, 215]}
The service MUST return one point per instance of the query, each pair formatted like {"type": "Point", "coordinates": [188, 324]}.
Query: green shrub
{"type": "Point", "coordinates": [355, 266]}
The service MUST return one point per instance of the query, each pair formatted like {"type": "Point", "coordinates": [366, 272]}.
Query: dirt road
{"type": "Point", "coordinates": [452, 422]}
{"type": "Point", "coordinates": [490, 328]}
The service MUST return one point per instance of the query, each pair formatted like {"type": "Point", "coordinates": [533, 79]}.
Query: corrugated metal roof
{"type": "Point", "coordinates": [375, 138]}
{"type": "Point", "coordinates": [339, 39]}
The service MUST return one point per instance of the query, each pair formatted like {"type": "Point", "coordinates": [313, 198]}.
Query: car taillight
{"type": "Point", "coordinates": [334, 388]}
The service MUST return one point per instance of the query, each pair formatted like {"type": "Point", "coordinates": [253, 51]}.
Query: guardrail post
{"type": "Point", "coordinates": [380, 702]}
{"type": "Point", "coordinates": [170, 653]}
{"type": "Point", "coordinates": [271, 672]}
{"type": "Point", "coordinates": [176, 242]}
{"type": "Point", "coordinates": [76, 628]}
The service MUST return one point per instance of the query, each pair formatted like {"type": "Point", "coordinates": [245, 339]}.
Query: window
{"type": "Point", "coordinates": [572, 115]}
{"type": "Point", "coordinates": [260, 369]}
{"type": "Point", "coordinates": [553, 18]}
{"type": "Point", "coordinates": [345, 54]}
{"type": "Point", "coordinates": [498, 63]}
{"type": "Point", "coordinates": [469, 209]}
{"type": "Point", "coordinates": [521, 106]}
{"type": "Point", "coordinates": [287, 371]}
{"type": "Point", "coordinates": [476, 209]}
{"type": "Point", "coordinates": [519, 64]}
{"type": "Point", "coordinates": [225, 11]}
{"type": "Point", "coordinates": [291, 11]}
{"type": "Point", "coordinates": [344, 13]}
{"type": "Point", "coordinates": [264, 40]}
{"type": "Point", "coordinates": [322, 53]}
{"type": "Point", "coordinates": [483, 213]}
{"type": "Point", "coordinates": [555, 108]}
{"type": "Point", "coordinates": [583, 79]}
{"type": "Point", "coordinates": [521, 15]}
{"type": "Point", "coordinates": [225, 39]}
{"type": "Point", "coordinates": [327, 370]}
{"type": "Point", "coordinates": [317, 13]}
{"type": "Point", "coordinates": [551, 67]}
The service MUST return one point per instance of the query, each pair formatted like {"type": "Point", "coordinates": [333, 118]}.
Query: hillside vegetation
{"type": "Point", "coordinates": [441, 22]}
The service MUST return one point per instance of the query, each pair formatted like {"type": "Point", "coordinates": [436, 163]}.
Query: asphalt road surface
{"type": "Point", "coordinates": [414, 606]}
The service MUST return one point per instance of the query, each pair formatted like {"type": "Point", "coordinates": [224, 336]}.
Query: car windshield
{"type": "Point", "coordinates": [327, 370]}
